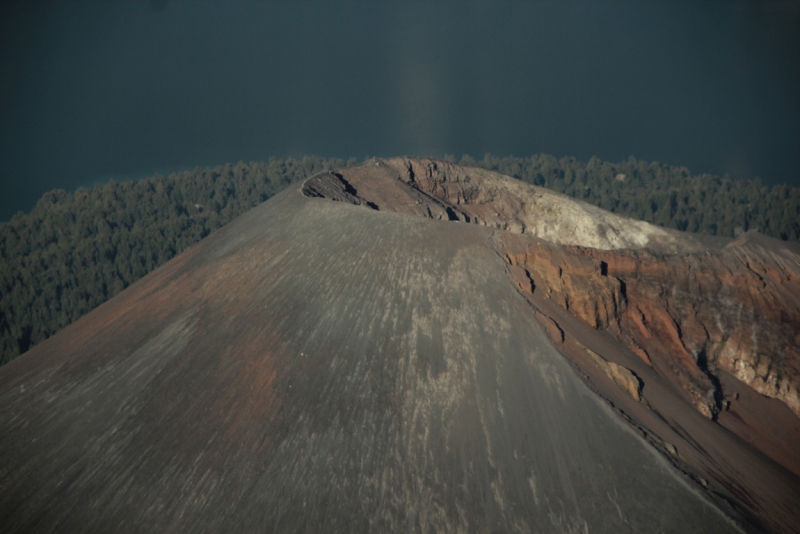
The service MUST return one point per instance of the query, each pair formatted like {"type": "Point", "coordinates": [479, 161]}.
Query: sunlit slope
{"type": "Point", "coordinates": [315, 366]}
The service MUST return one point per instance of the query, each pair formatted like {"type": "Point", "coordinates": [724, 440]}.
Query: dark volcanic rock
{"type": "Point", "coordinates": [319, 366]}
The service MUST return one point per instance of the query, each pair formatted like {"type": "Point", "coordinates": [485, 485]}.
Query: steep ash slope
{"type": "Point", "coordinates": [701, 303]}
{"type": "Point", "coordinates": [654, 320]}
{"type": "Point", "coordinates": [316, 366]}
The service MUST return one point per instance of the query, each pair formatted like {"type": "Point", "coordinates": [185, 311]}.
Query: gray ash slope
{"type": "Point", "coordinates": [316, 366]}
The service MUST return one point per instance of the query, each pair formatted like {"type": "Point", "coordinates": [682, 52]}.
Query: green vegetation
{"type": "Point", "coordinates": [74, 251]}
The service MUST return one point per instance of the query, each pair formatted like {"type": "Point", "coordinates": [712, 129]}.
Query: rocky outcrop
{"type": "Point", "coordinates": [735, 309]}
{"type": "Point", "coordinates": [577, 282]}
{"type": "Point", "coordinates": [623, 377]}
{"type": "Point", "coordinates": [589, 285]}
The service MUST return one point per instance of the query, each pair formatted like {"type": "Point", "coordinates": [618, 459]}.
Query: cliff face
{"type": "Point", "coordinates": [736, 310]}
{"type": "Point", "coordinates": [689, 316]}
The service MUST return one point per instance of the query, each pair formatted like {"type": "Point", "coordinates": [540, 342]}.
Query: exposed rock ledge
{"type": "Point", "coordinates": [689, 316]}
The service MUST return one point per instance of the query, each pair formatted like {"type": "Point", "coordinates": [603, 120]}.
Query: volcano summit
{"type": "Point", "coordinates": [413, 346]}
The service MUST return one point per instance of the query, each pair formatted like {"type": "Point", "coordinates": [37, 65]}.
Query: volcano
{"type": "Point", "coordinates": [413, 346]}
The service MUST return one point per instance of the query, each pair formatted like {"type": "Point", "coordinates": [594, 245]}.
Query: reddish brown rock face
{"type": "Point", "coordinates": [690, 315]}
{"type": "Point", "coordinates": [734, 310]}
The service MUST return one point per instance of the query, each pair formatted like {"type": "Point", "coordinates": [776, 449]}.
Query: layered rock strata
{"type": "Point", "coordinates": [689, 316]}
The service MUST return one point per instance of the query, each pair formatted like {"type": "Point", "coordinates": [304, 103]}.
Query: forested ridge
{"type": "Point", "coordinates": [75, 250]}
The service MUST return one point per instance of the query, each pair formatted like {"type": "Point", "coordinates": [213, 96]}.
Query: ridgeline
{"type": "Point", "coordinates": [75, 250]}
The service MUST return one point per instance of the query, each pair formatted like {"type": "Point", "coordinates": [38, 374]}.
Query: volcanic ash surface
{"type": "Point", "coordinates": [350, 356]}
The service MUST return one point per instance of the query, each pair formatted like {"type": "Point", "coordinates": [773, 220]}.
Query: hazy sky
{"type": "Point", "coordinates": [96, 89]}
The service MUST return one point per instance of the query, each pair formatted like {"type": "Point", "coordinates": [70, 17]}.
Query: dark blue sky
{"type": "Point", "coordinates": [91, 90]}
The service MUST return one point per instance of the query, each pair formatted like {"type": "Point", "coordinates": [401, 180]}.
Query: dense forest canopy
{"type": "Point", "coordinates": [74, 251]}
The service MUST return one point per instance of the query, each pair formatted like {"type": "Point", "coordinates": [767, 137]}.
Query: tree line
{"type": "Point", "coordinates": [75, 250]}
